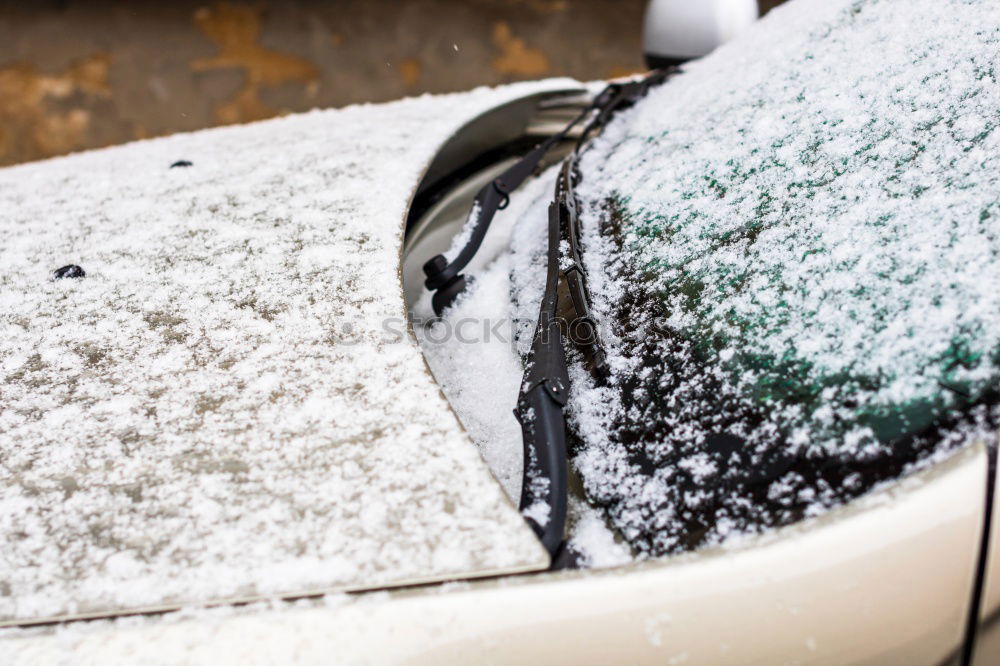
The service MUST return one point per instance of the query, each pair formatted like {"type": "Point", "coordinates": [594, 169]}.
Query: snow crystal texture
{"type": "Point", "coordinates": [218, 409]}
{"type": "Point", "coordinates": [794, 246]}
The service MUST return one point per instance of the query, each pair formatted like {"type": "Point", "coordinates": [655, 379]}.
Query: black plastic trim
{"type": "Point", "coordinates": [654, 61]}
{"type": "Point", "coordinates": [976, 601]}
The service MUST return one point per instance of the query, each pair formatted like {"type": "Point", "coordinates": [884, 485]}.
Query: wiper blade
{"type": "Point", "coordinates": [544, 390]}
{"type": "Point", "coordinates": [582, 328]}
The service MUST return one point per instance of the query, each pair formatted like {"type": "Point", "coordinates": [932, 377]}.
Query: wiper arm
{"type": "Point", "coordinates": [445, 277]}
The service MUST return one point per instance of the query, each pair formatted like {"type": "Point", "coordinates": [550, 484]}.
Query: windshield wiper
{"type": "Point", "coordinates": [544, 390]}
{"type": "Point", "coordinates": [545, 383]}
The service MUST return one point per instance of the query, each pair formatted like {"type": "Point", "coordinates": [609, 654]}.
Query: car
{"type": "Point", "coordinates": [237, 428]}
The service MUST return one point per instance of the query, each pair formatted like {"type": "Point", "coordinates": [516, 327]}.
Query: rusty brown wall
{"type": "Point", "coordinates": [83, 75]}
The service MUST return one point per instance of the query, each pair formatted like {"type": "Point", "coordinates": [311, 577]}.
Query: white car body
{"type": "Point", "coordinates": [341, 500]}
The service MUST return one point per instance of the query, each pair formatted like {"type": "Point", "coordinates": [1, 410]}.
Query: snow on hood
{"type": "Point", "coordinates": [228, 404]}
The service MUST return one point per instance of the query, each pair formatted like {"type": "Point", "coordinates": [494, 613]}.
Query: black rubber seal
{"type": "Point", "coordinates": [976, 602]}
{"type": "Point", "coordinates": [654, 61]}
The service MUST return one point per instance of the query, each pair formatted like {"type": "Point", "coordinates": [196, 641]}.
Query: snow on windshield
{"type": "Point", "coordinates": [794, 248]}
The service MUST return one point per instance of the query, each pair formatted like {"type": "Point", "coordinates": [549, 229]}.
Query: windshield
{"type": "Point", "coordinates": [797, 275]}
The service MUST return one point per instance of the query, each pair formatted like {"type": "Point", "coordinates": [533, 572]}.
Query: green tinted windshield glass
{"type": "Point", "coordinates": [794, 246]}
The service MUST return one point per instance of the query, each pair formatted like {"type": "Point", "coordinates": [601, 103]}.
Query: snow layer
{"type": "Point", "coordinates": [471, 348]}
{"type": "Point", "coordinates": [228, 405]}
{"type": "Point", "coordinates": [794, 249]}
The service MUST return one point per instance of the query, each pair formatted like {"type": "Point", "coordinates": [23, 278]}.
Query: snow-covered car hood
{"type": "Point", "coordinates": [229, 405]}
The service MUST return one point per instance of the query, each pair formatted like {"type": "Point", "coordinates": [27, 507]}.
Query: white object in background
{"type": "Point", "coordinates": [678, 30]}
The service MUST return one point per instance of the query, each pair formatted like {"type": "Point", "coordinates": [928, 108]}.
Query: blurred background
{"type": "Point", "coordinates": [90, 74]}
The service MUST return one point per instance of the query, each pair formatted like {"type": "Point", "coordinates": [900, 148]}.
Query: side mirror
{"type": "Point", "coordinates": [676, 31]}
